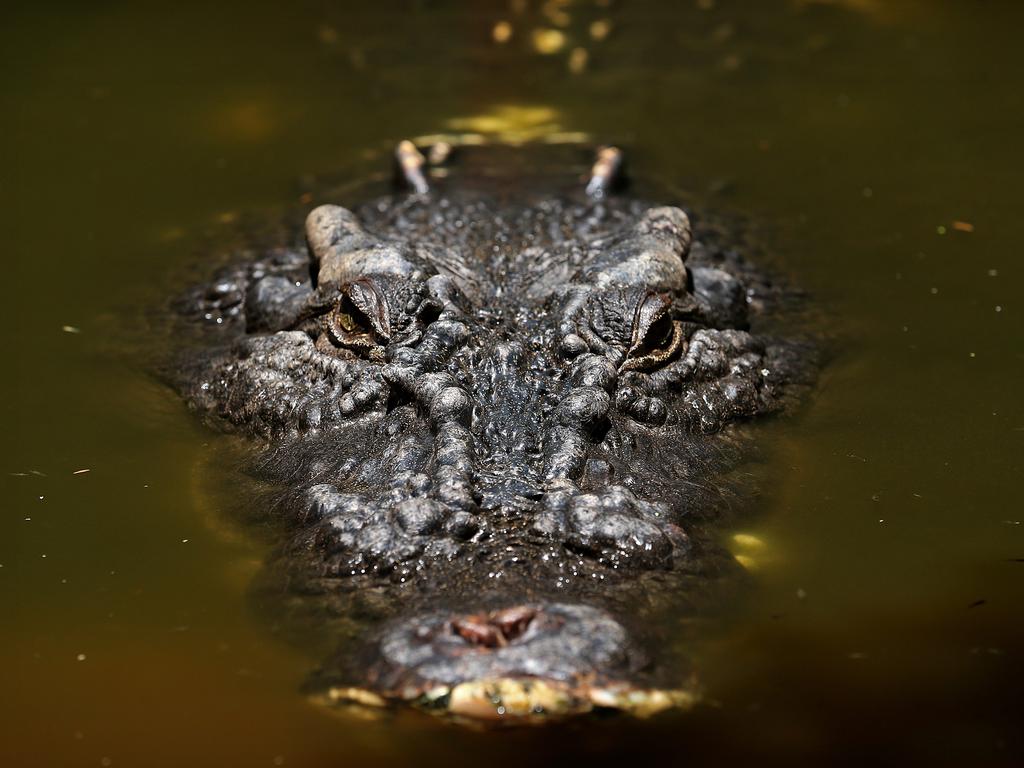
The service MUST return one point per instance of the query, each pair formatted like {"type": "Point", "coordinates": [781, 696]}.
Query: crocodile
{"type": "Point", "coordinates": [498, 417]}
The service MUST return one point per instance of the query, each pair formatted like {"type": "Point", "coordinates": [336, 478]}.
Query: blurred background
{"type": "Point", "coordinates": [877, 146]}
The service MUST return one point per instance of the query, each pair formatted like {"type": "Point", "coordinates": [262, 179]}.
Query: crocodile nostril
{"type": "Point", "coordinates": [513, 622]}
{"type": "Point", "coordinates": [477, 630]}
{"type": "Point", "coordinates": [496, 629]}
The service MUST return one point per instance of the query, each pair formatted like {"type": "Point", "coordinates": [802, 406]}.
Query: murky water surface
{"type": "Point", "coordinates": [879, 144]}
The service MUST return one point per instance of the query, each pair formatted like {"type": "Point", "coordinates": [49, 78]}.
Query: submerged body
{"type": "Point", "coordinates": [495, 417]}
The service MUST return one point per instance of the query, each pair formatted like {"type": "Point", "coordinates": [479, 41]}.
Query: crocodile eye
{"type": "Point", "coordinates": [657, 336]}
{"type": "Point", "coordinates": [361, 319]}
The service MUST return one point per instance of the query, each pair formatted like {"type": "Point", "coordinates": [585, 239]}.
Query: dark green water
{"type": "Point", "coordinates": [886, 618]}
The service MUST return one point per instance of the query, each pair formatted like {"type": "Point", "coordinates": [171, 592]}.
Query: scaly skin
{"type": "Point", "coordinates": [496, 422]}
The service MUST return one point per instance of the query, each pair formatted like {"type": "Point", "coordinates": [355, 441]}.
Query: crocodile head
{"type": "Point", "coordinates": [496, 419]}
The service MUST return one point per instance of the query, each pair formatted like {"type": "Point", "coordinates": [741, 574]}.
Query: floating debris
{"type": "Point", "coordinates": [327, 34]}
{"type": "Point", "coordinates": [600, 29]}
{"type": "Point", "coordinates": [249, 119]}
{"type": "Point", "coordinates": [723, 32]}
{"type": "Point", "coordinates": [578, 60]}
{"type": "Point", "coordinates": [548, 41]}
{"type": "Point", "coordinates": [502, 32]}
{"type": "Point", "coordinates": [81, 471]}
{"type": "Point", "coordinates": [732, 62]}
{"type": "Point", "coordinates": [554, 10]}
{"type": "Point", "coordinates": [170, 234]}
{"type": "Point", "coordinates": [963, 226]}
